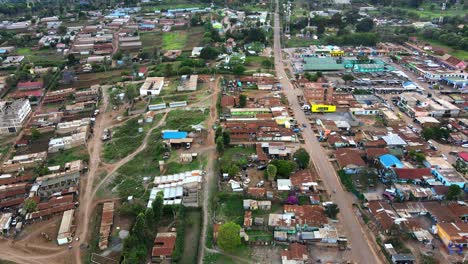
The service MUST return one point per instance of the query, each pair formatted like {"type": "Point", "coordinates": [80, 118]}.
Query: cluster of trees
{"type": "Point", "coordinates": [313, 77]}
{"type": "Point", "coordinates": [417, 156]}
{"type": "Point", "coordinates": [449, 35]}
{"type": "Point", "coordinates": [223, 138]}
{"type": "Point", "coordinates": [140, 240]}
{"type": "Point", "coordinates": [435, 133]}
{"type": "Point", "coordinates": [454, 193]}
{"type": "Point", "coordinates": [253, 34]}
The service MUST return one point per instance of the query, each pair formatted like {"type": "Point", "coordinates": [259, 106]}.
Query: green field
{"type": "Point", "coordinates": [62, 157]}
{"type": "Point", "coordinates": [295, 42]}
{"type": "Point", "coordinates": [42, 56]}
{"type": "Point", "coordinates": [461, 54]}
{"type": "Point", "coordinates": [424, 11]}
{"type": "Point", "coordinates": [174, 40]}
{"type": "Point", "coordinates": [192, 235]}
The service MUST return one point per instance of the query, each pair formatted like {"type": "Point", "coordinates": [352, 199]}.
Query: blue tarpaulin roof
{"type": "Point", "coordinates": [174, 135]}
{"type": "Point", "coordinates": [390, 161]}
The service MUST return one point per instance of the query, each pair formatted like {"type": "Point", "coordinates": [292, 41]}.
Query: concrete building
{"type": "Point", "coordinates": [23, 161]}
{"type": "Point", "coordinates": [63, 143]}
{"type": "Point", "coordinates": [152, 86]}
{"type": "Point", "coordinates": [69, 176]}
{"type": "Point", "coordinates": [64, 235]}
{"type": "Point", "coordinates": [74, 126]}
{"type": "Point", "coordinates": [13, 115]}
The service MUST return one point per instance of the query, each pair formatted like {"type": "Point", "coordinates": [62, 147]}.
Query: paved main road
{"type": "Point", "coordinates": [361, 249]}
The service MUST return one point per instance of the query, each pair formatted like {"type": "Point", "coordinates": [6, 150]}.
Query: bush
{"type": "Point", "coordinates": [179, 246]}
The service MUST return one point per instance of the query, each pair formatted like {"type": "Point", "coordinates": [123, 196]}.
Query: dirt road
{"type": "Point", "coordinates": [210, 169]}
{"type": "Point", "coordinates": [362, 249]}
{"type": "Point", "coordinates": [94, 148]}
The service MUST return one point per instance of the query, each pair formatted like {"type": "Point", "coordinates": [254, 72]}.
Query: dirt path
{"type": "Point", "coordinates": [94, 148]}
{"type": "Point", "coordinates": [210, 173]}
{"type": "Point", "coordinates": [91, 191]}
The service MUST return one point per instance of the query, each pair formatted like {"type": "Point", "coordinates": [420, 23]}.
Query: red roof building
{"type": "Point", "coordinates": [295, 252]}
{"type": "Point", "coordinates": [349, 158]}
{"type": "Point", "coordinates": [416, 174]}
{"type": "Point", "coordinates": [25, 86]}
{"type": "Point", "coordinates": [164, 244]}
{"type": "Point", "coordinates": [310, 215]}
{"type": "Point", "coordinates": [463, 156]}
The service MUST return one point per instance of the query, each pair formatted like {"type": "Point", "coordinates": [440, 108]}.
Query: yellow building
{"type": "Point", "coordinates": [453, 235]}
{"type": "Point", "coordinates": [322, 108]}
{"type": "Point", "coordinates": [337, 53]}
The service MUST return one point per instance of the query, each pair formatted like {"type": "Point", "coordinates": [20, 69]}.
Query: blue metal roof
{"type": "Point", "coordinates": [174, 135]}
{"type": "Point", "coordinates": [390, 161]}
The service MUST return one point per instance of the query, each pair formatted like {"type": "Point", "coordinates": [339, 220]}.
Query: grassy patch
{"type": "Point", "coordinates": [174, 40]}
{"type": "Point", "coordinates": [236, 153]}
{"type": "Point", "coordinates": [295, 42]}
{"type": "Point", "coordinates": [217, 258]}
{"type": "Point", "coordinates": [4, 150]}
{"type": "Point", "coordinates": [192, 235]}
{"type": "Point", "coordinates": [62, 157]}
{"type": "Point", "coordinates": [43, 56]}
{"type": "Point", "coordinates": [129, 178]}
{"type": "Point", "coordinates": [150, 40]}
{"type": "Point", "coordinates": [230, 207]}
{"type": "Point", "coordinates": [183, 119]}
{"type": "Point", "coordinates": [260, 235]}
{"type": "Point", "coordinates": [177, 167]}
{"type": "Point", "coordinates": [125, 140]}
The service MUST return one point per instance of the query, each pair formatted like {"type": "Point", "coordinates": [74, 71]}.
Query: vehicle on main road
{"type": "Point", "coordinates": [443, 156]}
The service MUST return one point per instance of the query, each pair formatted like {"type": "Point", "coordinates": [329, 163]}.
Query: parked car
{"type": "Point", "coordinates": [261, 167]}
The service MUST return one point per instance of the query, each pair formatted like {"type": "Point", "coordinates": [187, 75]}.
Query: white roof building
{"type": "Point", "coordinates": [152, 86]}
{"type": "Point", "coordinates": [284, 184]}
{"type": "Point", "coordinates": [64, 235]}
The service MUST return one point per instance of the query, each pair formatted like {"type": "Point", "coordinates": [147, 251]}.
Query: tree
{"type": "Point", "coordinates": [284, 167]}
{"type": "Point", "coordinates": [218, 132]}
{"type": "Point", "coordinates": [267, 64]}
{"type": "Point", "coordinates": [62, 29]}
{"type": "Point", "coordinates": [228, 236]}
{"type": "Point", "coordinates": [30, 205]}
{"type": "Point", "coordinates": [118, 55]}
{"type": "Point", "coordinates": [226, 137]}
{"type": "Point", "coordinates": [453, 193]}
{"type": "Point", "coordinates": [131, 92]}
{"type": "Point", "coordinates": [149, 218]}
{"type": "Point", "coordinates": [238, 69]}
{"type": "Point", "coordinates": [365, 25]}
{"type": "Point", "coordinates": [35, 134]}
{"type": "Point", "coordinates": [140, 229]}
{"type": "Point", "coordinates": [242, 100]}
{"type": "Point", "coordinates": [209, 53]}
{"type": "Point", "coordinates": [417, 156]}
{"type": "Point", "coordinates": [302, 158]}
{"type": "Point", "coordinates": [233, 170]}
{"type": "Point", "coordinates": [332, 210]}
{"type": "Point", "coordinates": [271, 172]}
{"type": "Point", "coordinates": [347, 78]}
{"type": "Point", "coordinates": [220, 144]}
{"type": "Point", "coordinates": [158, 206]}
{"type": "Point", "coordinates": [71, 60]}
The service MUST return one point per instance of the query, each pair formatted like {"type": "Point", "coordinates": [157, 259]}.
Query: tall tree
{"type": "Point", "coordinates": [271, 172]}
{"type": "Point", "coordinates": [242, 100]}
{"type": "Point", "coordinates": [453, 193]}
{"type": "Point", "coordinates": [157, 206]}
{"type": "Point", "coordinates": [228, 236]}
{"type": "Point", "coordinates": [302, 158]}
{"type": "Point", "coordinates": [332, 210]}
